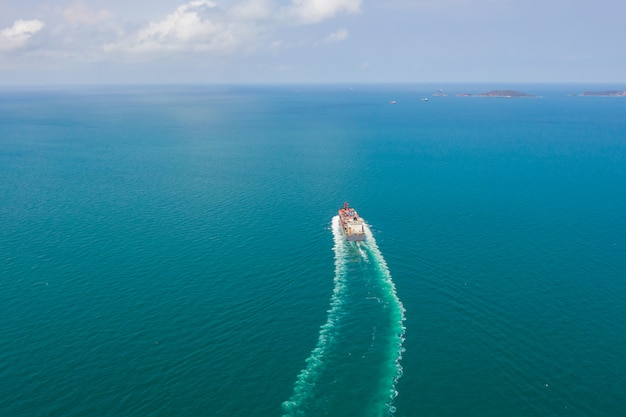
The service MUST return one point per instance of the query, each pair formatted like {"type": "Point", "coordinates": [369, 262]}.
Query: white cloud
{"type": "Point", "coordinates": [252, 10]}
{"type": "Point", "coordinates": [79, 32]}
{"type": "Point", "coordinates": [338, 36]}
{"type": "Point", "coordinates": [314, 11]}
{"type": "Point", "coordinates": [197, 26]}
{"type": "Point", "coordinates": [17, 36]}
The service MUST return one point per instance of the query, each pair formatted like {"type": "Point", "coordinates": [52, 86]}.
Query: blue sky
{"type": "Point", "coordinates": [230, 41]}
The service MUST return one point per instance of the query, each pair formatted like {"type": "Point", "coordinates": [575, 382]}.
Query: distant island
{"type": "Point", "coordinates": [610, 93]}
{"type": "Point", "coordinates": [499, 93]}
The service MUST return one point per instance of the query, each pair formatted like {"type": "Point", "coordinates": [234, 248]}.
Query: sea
{"type": "Point", "coordinates": [174, 251]}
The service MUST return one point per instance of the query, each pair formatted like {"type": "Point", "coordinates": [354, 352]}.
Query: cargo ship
{"type": "Point", "coordinates": [352, 226]}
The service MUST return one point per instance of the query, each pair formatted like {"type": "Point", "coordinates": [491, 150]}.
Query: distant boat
{"type": "Point", "coordinates": [425, 99]}
{"type": "Point", "coordinates": [352, 226]}
{"type": "Point", "coordinates": [393, 102]}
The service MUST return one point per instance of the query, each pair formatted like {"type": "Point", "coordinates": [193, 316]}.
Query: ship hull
{"type": "Point", "coordinates": [354, 238]}
{"type": "Point", "coordinates": [352, 225]}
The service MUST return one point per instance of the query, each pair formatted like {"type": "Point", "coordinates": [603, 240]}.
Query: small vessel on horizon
{"type": "Point", "coordinates": [352, 225]}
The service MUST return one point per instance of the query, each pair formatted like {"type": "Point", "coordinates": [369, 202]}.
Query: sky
{"type": "Point", "coordinates": [57, 42]}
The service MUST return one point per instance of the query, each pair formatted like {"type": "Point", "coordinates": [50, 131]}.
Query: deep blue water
{"type": "Point", "coordinates": [170, 251]}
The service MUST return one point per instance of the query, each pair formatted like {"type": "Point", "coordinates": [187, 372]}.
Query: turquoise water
{"type": "Point", "coordinates": [170, 251]}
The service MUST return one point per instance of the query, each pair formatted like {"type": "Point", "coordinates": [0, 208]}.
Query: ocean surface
{"type": "Point", "coordinates": [174, 251]}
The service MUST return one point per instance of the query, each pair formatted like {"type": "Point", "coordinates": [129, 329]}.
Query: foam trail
{"type": "Point", "coordinates": [314, 391]}
{"type": "Point", "coordinates": [308, 377]}
{"type": "Point", "coordinates": [396, 343]}
{"type": "Point", "coordinates": [362, 252]}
